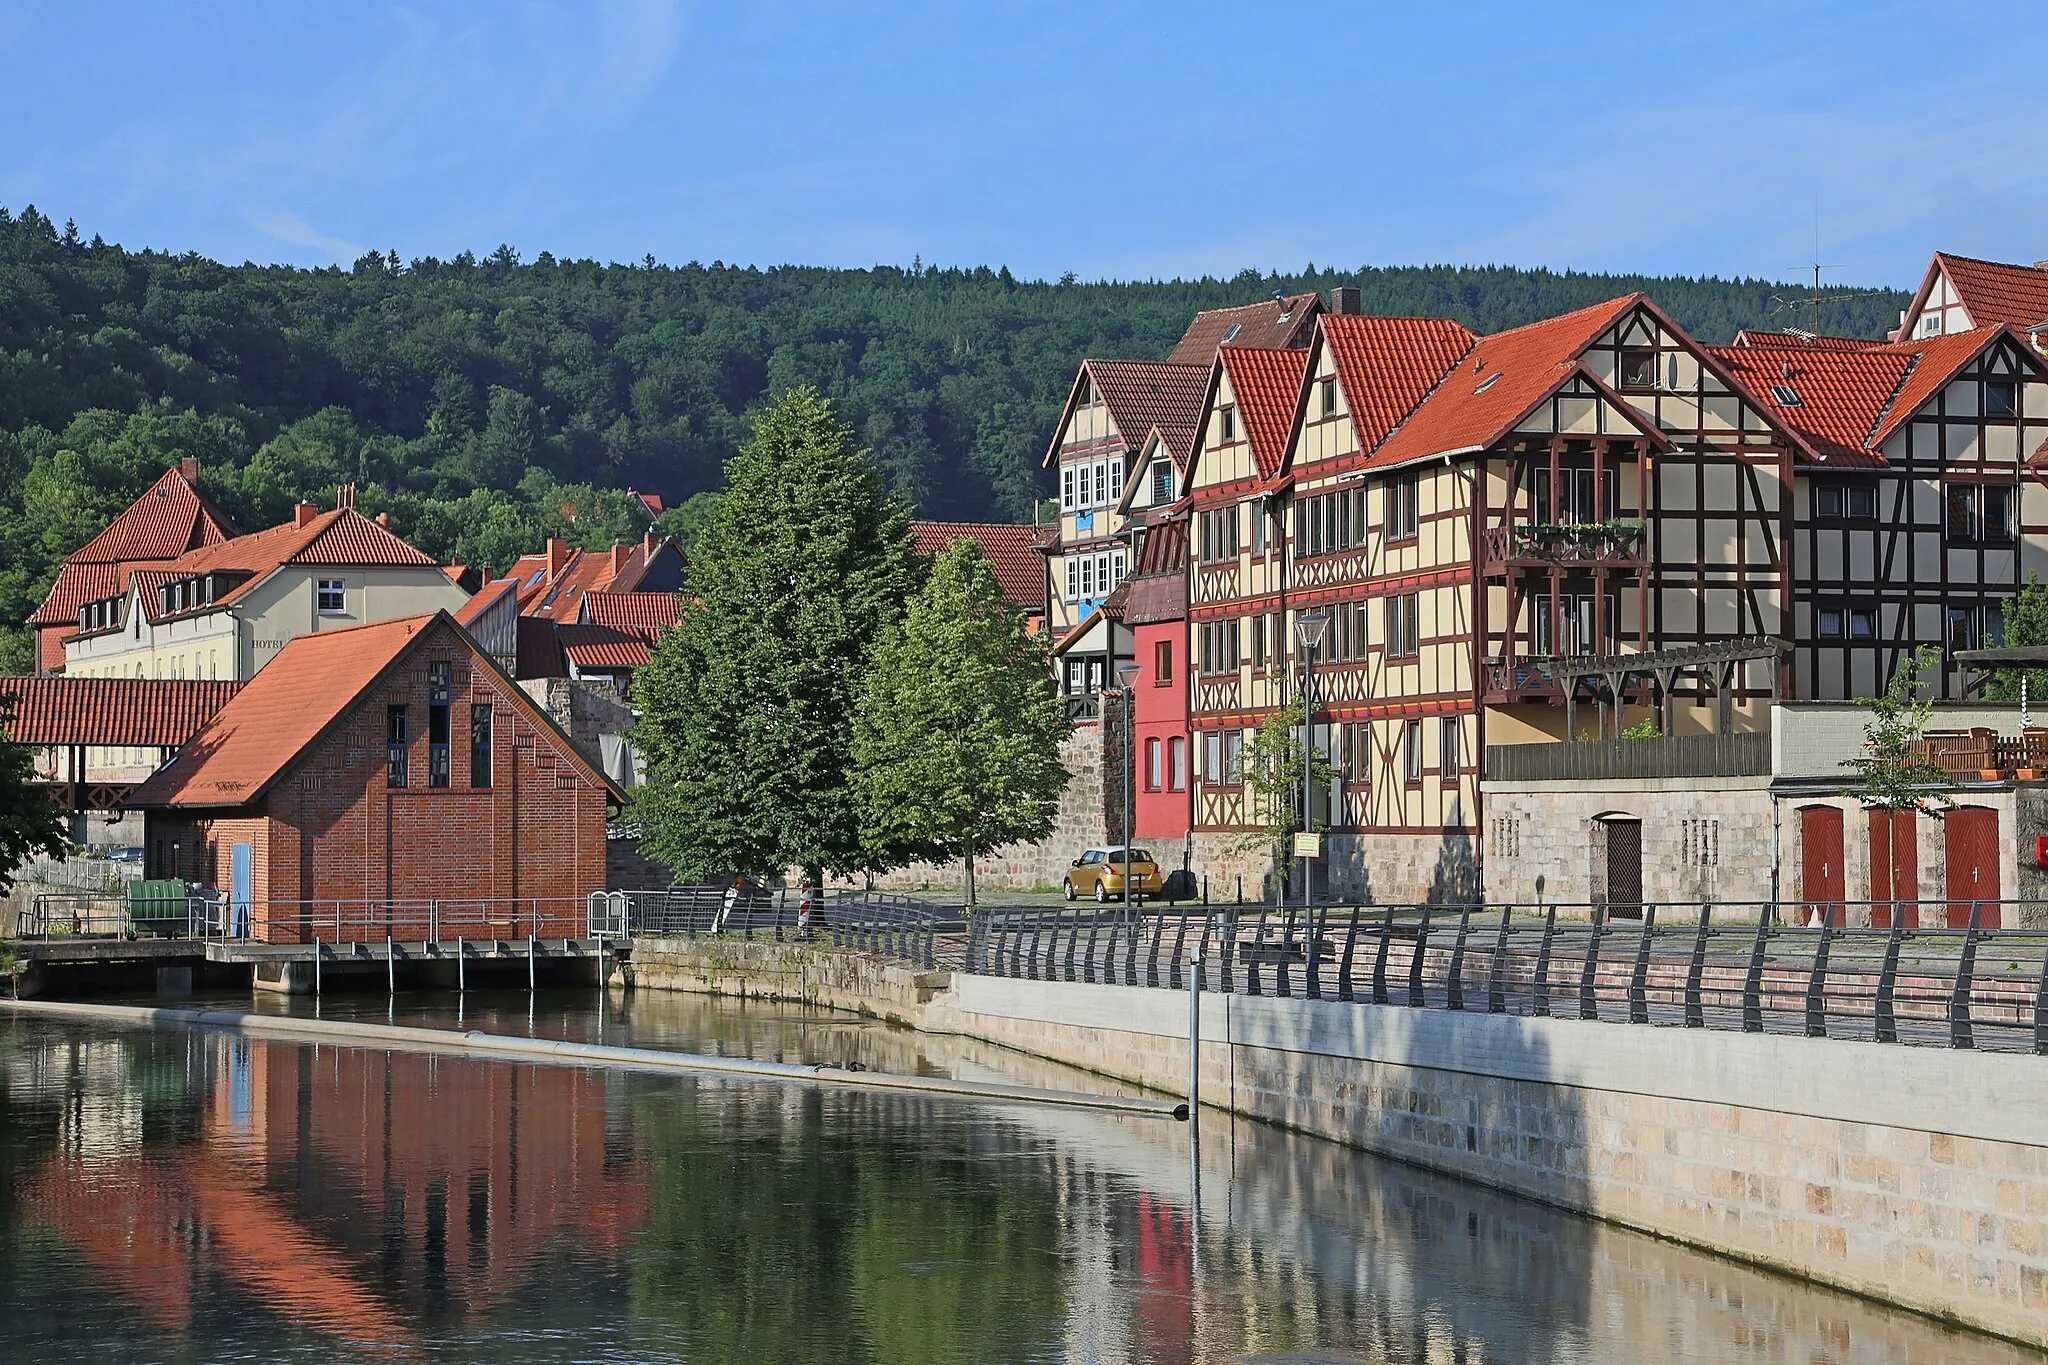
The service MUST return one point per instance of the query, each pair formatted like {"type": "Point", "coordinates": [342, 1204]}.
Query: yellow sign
{"type": "Point", "coordinates": [1308, 845]}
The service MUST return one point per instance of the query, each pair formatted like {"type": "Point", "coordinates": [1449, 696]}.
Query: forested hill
{"type": "Point", "coordinates": [459, 392]}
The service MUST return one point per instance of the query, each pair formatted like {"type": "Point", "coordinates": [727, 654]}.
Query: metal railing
{"type": "Point", "coordinates": [1693, 967]}
{"type": "Point", "coordinates": [210, 917]}
{"type": "Point", "coordinates": [710, 908]}
{"type": "Point", "coordinates": [919, 932]}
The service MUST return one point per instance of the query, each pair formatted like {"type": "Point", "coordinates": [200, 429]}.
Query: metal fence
{"type": "Point", "coordinates": [212, 917]}
{"type": "Point", "coordinates": [919, 932]}
{"type": "Point", "coordinates": [1689, 967]}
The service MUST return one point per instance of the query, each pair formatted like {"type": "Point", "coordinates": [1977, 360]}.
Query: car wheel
{"type": "Point", "coordinates": [1067, 888]}
{"type": "Point", "coordinates": [1102, 893]}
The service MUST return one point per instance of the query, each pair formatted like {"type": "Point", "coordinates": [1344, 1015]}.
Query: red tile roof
{"type": "Point", "coordinates": [1841, 393]}
{"type": "Point", "coordinates": [1497, 382]}
{"type": "Point", "coordinates": [484, 599]}
{"type": "Point", "coordinates": [314, 682]}
{"type": "Point", "coordinates": [1009, 549]}
{"type": "Point", "coordinates": [1388, 365]}
{"type": "Point", "coordinates": [1267, 386]}
{"type": "Point", "coordinates": [342, 537]}
{"type": "Point", "coordinates": [1158, 590]}
{"type": "Point", "coordinates": [1268, 326]}
{"type": "Point", "coordinates": [166, 521]}
{"type": "Point", "coordinates": [1143, 394]}
{"type": "Point", "coordinates": [559, 595]}
{"type": "Point", "coordinates": [143, 712]}
{"type": "Point", "coordinates": [604, 647]}
{"type": "Point", "coordinates": [1802, 341]}
{"type": "Point", "coordinates": [636, 611]}
{"type": "Point", "coordinates": [1994, 292]}
{"type": "Point", "coordinates": [1939, 359]}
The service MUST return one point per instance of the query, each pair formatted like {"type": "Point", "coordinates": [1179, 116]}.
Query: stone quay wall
{"type": "Point", "coordinates": [1916, 1176]}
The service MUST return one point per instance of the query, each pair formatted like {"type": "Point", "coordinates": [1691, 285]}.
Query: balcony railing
{"type": "Point", "coordinates": [1982, 754]}
{"type": "Point", "coordinates": [1740, 754]}
{"type": "Point", "coordinates": [1586, 543]}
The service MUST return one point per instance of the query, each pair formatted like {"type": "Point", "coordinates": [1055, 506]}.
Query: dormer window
{"type": "Point", "coordinates": [1162, 483]}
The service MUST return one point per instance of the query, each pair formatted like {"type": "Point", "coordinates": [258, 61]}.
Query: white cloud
{"type": "Point", "coordinates": [286, 226]}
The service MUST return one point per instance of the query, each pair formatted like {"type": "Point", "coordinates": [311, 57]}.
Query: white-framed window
{"type": "Point", "coordinates": [1073, 578]}
{"type": "Point", "coordinates": [1087, 575]}
{"type": "Point", "coordinates": [333, 597]}
{"type": "Point", "coordinates": [1068, 502]}
{"type": "Point", "coordinates": [1411, 750]}
{"type": "Point", "coordinates": [1116, 568]}
{"type": "Point", "coordinates": [1155, 766]}
{"type": "Point", "coordinates": [1447, 748]}
{"type": "Point", "coordinates": [1116, 481]}
{"type": "Point", "coordinates": [1177, 761]}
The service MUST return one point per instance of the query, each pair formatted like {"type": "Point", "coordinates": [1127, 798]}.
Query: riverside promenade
{"type": "Point", "coordinates": [1912, 1175]}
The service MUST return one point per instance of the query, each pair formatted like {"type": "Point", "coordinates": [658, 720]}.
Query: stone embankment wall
{"type": "Point", "coordinates": [1911, 1175]}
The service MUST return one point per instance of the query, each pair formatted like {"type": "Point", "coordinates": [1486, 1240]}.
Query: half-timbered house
{"type": "Point", "coordinates": [1962, 294]}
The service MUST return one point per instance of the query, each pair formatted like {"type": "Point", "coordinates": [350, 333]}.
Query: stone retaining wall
{"type": "Point", "coordinates": [1911, 1175]}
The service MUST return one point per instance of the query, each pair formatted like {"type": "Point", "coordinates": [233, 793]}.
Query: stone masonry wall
{"type": "Point", "coordinates": [1789, 1152]}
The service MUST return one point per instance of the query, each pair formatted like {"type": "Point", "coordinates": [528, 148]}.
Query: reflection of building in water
{"type": "Point", "coordinates": [328, 1185]}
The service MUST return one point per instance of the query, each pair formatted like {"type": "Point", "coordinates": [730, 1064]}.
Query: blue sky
{"type": "Point", "coordinates": [1108, 139]}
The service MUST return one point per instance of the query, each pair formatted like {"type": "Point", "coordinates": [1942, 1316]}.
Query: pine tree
{"type": "Point", "coordinates": [957, 738]}
{"type": "Point", "coordinates": [748, 703]}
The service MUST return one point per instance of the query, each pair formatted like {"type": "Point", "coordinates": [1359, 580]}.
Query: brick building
{"type": "Point", "coordinates": [365, 773]}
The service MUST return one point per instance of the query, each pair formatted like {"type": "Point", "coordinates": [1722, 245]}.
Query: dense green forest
{"type": "Point", "coordinates": [472, 398]}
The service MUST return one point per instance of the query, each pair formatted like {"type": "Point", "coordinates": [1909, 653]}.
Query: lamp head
{"type": "Point", "coordinates": [1309, 628]}
{"type": "Point", "coordinates": [1127, 673]}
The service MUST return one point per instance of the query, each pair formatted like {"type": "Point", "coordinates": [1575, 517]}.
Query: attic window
{"type": "Point", "coordinates": [2001, 398]}
{"type": "Point", "coordinates": [1638, 369]}
{"type": "Point", "coordinates": [1786, 396]}
{"type": "Point", "coordinates": [1483, 385]}
{"type": "Point", "coordinates": [1230, 332]}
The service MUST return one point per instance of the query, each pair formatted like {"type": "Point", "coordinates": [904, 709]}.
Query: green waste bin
{"type": "Point", "coordinates": [157, 907]}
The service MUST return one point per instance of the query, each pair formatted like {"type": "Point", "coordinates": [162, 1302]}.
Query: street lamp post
{"type": "Point", "coordinates": [1308, 631]}
{"type": "Point", "coordinates": [1127, 674]}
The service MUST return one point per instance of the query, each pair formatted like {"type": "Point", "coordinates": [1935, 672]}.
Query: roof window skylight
{"type": "Point", "coordinates": [1785, 394]}
{"type": "Point", "coordinates": [1483, 385]}
{"type": "Point", "coordinates": [1230, 332]}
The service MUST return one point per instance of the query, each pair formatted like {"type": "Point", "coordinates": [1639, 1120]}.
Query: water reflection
{"type": "Point", "coordinates": [183, 1196]}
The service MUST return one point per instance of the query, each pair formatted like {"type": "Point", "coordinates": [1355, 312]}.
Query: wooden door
{"type": "Point", "coordinates": [1821, 884]}
{"type": "Point", "coordinates": [1970, 840]}
{"type": "Point", "coordinates": [1894, 868]}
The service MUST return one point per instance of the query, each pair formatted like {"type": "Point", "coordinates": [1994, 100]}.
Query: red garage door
{"type": "Point", "coordinates": [1970, 839]}
{"type": "Point", "coordinates": [1894, 868]}
{"type": "Point", "coordinates": [1821, 884]}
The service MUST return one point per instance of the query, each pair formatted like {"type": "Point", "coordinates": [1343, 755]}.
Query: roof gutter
{"type": "Point", "coordinates": [1445, 455]}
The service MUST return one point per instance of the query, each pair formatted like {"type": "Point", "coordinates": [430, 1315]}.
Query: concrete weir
{"type": "Point", "coordinates": [496, 1046]}
{"type": "Point", "coordinates": [1914, 1176]}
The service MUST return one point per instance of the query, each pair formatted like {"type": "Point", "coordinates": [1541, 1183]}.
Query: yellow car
{"type": "Point", "coordinates": [1100, 873]}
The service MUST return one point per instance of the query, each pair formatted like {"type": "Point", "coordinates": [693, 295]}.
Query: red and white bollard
{"type": "Point", "coordinates": [806, 901]}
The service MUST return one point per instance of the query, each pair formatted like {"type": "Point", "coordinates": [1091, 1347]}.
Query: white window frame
{"type": "Point", "coordinates": [339, 587]}
{"type": "Point", "coordinates": [1115, 491]}
{"type": "Point", "coordinates": [1073, 579]}
{"type": "Point", "coordinates": [1068, 502]}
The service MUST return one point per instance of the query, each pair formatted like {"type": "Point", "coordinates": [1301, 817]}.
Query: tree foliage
{"type": "Point", "coordinates": [1272, 770]}
{"type": "Point", "coordinates": [749, 702]}
{"type": "Point", "coordinates": [456, 392]}
{"type": "Point", "coordinates": [2026, 623]}
{"type": "Point", "coordinates": [1892, 776]}
{"type": "Point", "coordinates": [957, 736]}
{"type": "Point", "coordinates": [30, 822]}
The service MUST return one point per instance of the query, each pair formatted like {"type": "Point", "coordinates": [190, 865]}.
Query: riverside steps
{"type": "Point", "coordinates": [1914, 1175]}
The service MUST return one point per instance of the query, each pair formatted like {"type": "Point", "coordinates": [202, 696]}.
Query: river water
{"type": "Point", "coordinates": [183, 1196]}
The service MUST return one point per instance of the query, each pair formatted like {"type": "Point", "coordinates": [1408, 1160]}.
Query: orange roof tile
{"type": "Point", "coordinates": [484, 599]}
{"type": "Point", "coordinates": [589, 647]}
{"type": "Point", "coordinates": [1009, 549]}
{"type": "Point", "coordinates": [1267, 385]}
{"type": "Point", "coordinates": [1272, 325]}
{"type": "Point", "coordinates": [145, 712]}
{"type": "Point", "coordinates": [1388, 365]}
{"type": "Point", "coordinates": [1802, 341]}
{"type": "Point", "coordinates": [1994, 292]}
{"type": "Point", "coordinates": [1497, 382]}
{"type": "Point", "coordinates": [1143, 394]}
{"type": "Point", "coordinates": [342, 537]}
{"type": "Point", "coordinates": [312, 683]}
{"type": "Point", "coordinates": [166, 521]}
{"type": "Point", "coordinates": [637, 611]}
{"type": "Point", "coordinates": [76, 585]}
{"type": "Point", "coordinates": [1840, 394]}
{"type": "Point", "coordinates": [1939, 359]}
{"type": "Point", "coordinates": [1158, 590]}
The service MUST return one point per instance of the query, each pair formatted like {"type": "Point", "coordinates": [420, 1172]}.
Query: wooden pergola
{"type": "Point", "coordinates": [1608, 676]}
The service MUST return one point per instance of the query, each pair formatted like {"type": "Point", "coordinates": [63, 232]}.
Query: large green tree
{"type": "Point", "coordinates": [2026, 623]}
{"type": "Point", "coordinates": [748, 704]}
{"type": "Point", "coordinates": [957, 738]}
{"type": "Point", "coordinates": [30, 822]}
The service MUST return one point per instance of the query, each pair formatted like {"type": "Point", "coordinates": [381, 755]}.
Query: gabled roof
{"type": "Point", "coordinates": [1388, 365]}
{"type": "Point", "coordinates": [166, 521]}
{"type": "Point", "coordinates": [555, 582]}
{"type": "Point", "coordinates": [342, 538]}
{"type": "Point", "coordinates": [1140, 395]}
{"type": "Point", "coordinates": [1850, 402]}
{"type": "Point", "coordinates": [604, 647]}
{"type": "Point", "coordinates": [1802, 341]}
{"type": "Point", "coordinates": [141, 712]}
{"type": "Point", "coordinates": [1267, 386]}
{"type": "Point", "coordinates": [169, 519]}
{"type": "Point", "coordinates": [489, 595]}
{"type": "Point", "coordinates": [1009, 549]}
{"type": "Point", "coordinates": [312, 685]}
{"type": "Point", "coordinates": [1498, 383]}
{"type": "Point", "coordinates": [1992, 292]}
{"type": "Point", "coordinates": [1272, 325]}
{"type": "Point", "coordinates": [1158, 590]}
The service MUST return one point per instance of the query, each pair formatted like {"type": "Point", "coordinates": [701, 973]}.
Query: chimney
{"type": "Point", "coordinates": [344, 496]}
{"type": "Point", "coordinates": [304, 513]}
{"type": "Point", "coordinates": [647, 544]}
{"type": "Point", "coordinates": [2041, 265]}
{"type": "Point", "coordinates": [384, 520]}
{"type": "Point", "coordinates": [620, 554]}
{"type": "Point", "coordinates": [558, 555]}
{"type": "Point", "coordinates": [188, 468]}
{"type": "Point", "coordinates": [1344, 299]}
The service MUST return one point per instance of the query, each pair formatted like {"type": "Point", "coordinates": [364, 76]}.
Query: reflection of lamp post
{"type": "Point", "coordinates": [1308, 630]}
{"type": "Point", "coordinates": [1127, 674]}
